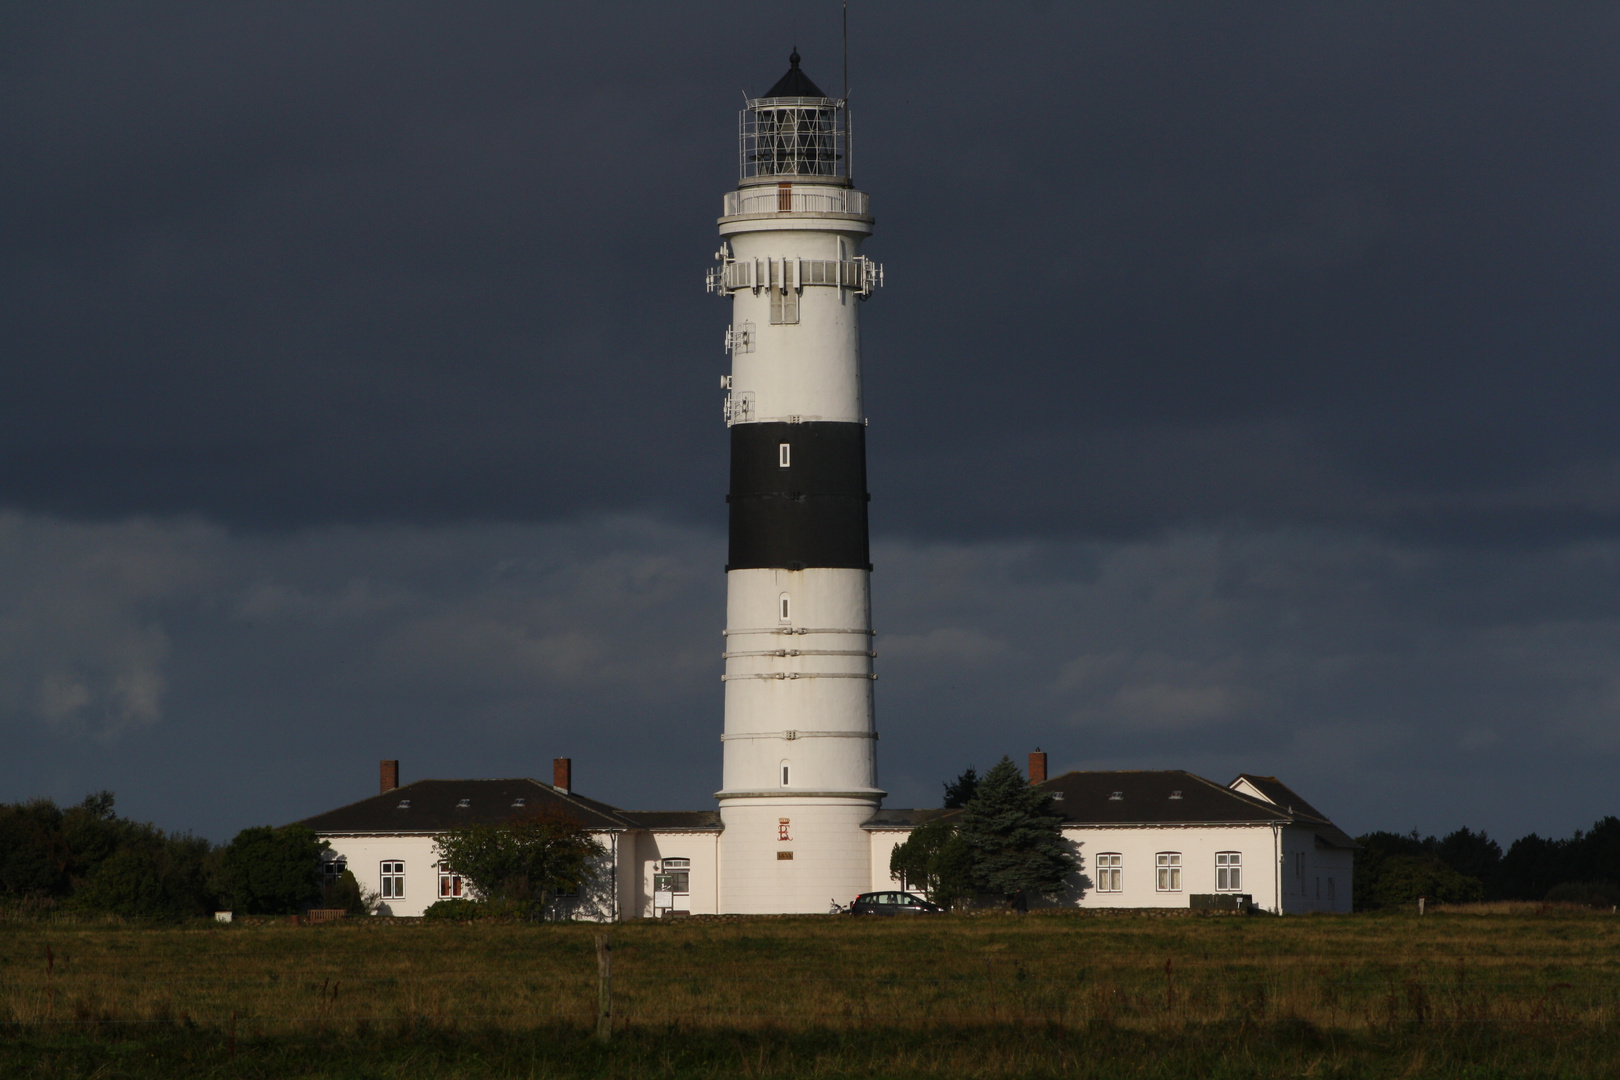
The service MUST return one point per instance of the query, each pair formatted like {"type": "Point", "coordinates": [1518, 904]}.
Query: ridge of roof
{"type": "Point", "coordinates": [382, 812]}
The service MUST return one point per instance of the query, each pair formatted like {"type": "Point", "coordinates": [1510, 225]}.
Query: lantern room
{"type": "Point", "coordinates": [794, 131]}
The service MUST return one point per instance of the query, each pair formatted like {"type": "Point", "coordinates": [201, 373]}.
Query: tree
{"type": "Point", "coordinates": [152, 876]}
{"type": "Point", "coordinates": [1014, 839]}
{"type": "Point", "coordinates": [960, 790]}
{"type": "Point", "coordinates": [272, 871]}
{"type": "Point", "coordinates": [34, 856]}
{"type": "Point", "coordinates": [935, 860]}
{"type": "Point", "coordinates": [347, 894]}
{"type": "Point", "coordinates": [1475, 855]}
{"type": "Point", "coordinates": [526, 862]}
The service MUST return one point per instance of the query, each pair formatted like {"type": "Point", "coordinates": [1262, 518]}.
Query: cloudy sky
{"type": "Point", "coordinates": [1242, 396]}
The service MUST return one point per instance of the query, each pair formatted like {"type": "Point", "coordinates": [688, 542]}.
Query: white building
{"type": "Point", "coordinates": [1170, 839]}
{"type": "Point", "coordinates": [386, 841]}
{"type": "Point", "coordinates": [1159, 839]}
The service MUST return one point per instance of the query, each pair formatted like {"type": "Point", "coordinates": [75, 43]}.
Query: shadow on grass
{"type": "Point", "coordinates": [1233, 1050]}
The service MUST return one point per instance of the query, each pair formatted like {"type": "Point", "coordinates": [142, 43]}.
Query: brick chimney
{"type": "Point", "coordinates": [388, 777]}
{"type": "Point", "coordinates": [562, 770]}
{"type": "Point", "coordinates": [1037, 766]}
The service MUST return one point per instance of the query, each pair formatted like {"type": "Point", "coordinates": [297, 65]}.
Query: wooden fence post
{"type": "Point", "coordinates": [604, 988]}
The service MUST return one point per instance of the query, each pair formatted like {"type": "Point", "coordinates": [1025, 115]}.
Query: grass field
{"type": "Point", "coordinates": [1070, 994]}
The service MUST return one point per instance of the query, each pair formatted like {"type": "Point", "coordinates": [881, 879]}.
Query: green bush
{"type": "Point", "coordinates": [453, 910]}
{"type": "Point", "coordinates": [270, 871]}
{"type": "Point", "coordinates": [1598, 894]}
{"type": "Point", "coordinates": [345, 893]}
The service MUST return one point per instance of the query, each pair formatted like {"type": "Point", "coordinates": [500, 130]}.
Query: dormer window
{"type": "Point", "coordinates": [404, 804]}
{"type": "Point", "coordinates": [1118, 796]}
{"type": "Point", "coordinates": [463, 804]}
{"type": "Point", "coordinates": [1175, 794]}
{"type": "Point", "coordinates": [519, 802]}
{"type": "Point", "coordinates": [1057, 796]}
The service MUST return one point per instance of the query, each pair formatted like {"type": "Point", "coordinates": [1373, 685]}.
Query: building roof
{"type": "Point", "coordinates": [1280, 794]}
{"type": "Point", "coordinates": [1154, 797]}
{"type": "Point", "coordinates": [795, 83]}
{"type": "Point", "coordinates": [675, 820]}
{"type": "Point", "coordinates": [436, 806]}
{"type": "Point", "coordinates": [896, 818]}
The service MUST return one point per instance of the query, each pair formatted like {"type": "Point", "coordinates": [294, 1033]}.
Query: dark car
{"type": "Point", "coordinates": [892, 903]}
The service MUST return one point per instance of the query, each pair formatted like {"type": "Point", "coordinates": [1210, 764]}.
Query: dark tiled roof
{"type": "Point", "coordinates": [897, 818]}
{"type": "Point", "coordinates": [1158, 797]}
{"type": "Point", "coordinates": [795, 83]}
{"type": "Point", "coordinates": [434, 807]}
{"type": "Point", "coordinates": [1287, 798]}
{"type": "Point", "coordinates": [673, 820]}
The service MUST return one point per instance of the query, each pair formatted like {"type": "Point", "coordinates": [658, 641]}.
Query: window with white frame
{"type": "Point", "coordinates": [1169, 870]}
{"type": "Point", "coordinates": [784, 455]}
{"type": "Point", "coordinates": [392, 878]}
{"type": "Point", "coordinates": [1228, 871]}
{"type": "Point", "coordinates": [1110, 868]}
{"type": "Point", "coordinates": [449, 884]}
{"type": "Point", "coordinates": [784, 608]}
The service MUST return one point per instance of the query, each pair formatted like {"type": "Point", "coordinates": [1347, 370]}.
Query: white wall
{"type": "Point", "coordinates": [883, 842]}
{"type": "Point", "coordinates": [1139, 847]}
{"type": "Point", "coordinates": [653, 847]}
{"type": "Point", "coordinates": [1314, 878]}
{"type": "Point", "coordinates": [364, 856]}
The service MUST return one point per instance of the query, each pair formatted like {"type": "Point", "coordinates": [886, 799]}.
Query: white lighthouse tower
{"type": "Point", "coordinates": [800, 769]}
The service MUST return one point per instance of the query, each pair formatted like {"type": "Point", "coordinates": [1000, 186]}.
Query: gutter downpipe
{"type": "Point", "coordinates": [1276, 864]}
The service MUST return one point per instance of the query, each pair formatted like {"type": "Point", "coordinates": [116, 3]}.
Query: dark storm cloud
{"type": "Point", "coordinates": [1241, 395]}
{"type": "Point", "coordinates": [217, 679]}
{"type": "Point", "coordinates": [1148, 265]}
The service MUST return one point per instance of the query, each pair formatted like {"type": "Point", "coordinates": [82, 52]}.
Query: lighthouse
{"type": "Point", "coordinates": [799, 743]}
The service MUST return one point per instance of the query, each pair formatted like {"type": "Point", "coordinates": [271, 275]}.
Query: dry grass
{"type": "Point", "coordinates": [1514, 980]}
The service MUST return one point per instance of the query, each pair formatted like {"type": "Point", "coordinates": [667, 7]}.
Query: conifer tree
{"type": "Point", "coordinates": [1016, 840]}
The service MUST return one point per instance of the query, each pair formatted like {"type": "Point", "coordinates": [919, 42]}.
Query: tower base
{"type": "Point", "coordinates": [794, 854]}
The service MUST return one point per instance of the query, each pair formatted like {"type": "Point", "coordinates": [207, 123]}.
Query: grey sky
{"type": "Point", "coordinates": [1241, 396]}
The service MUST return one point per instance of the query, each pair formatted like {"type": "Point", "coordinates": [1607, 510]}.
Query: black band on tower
{"type": "Point", "coordinates": [799, 507]}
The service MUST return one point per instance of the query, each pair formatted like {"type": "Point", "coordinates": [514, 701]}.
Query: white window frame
{"type": "Point", "coordinates": [1228, 871]}
{"type": "Point", "coordinates": [1167, 877]}
{"type": "Point", "coordinates": [391, 879]}
{"type": "Point", "coordinates": [784, 608]}
{"type": "Point", "coordinates": [451, 886]}
{"type": "Point", "coordinates": [786, 772]}
{"type": "Point", "coordinates": [1110, 869]}
{"type": "Point", "coordinates": [679, 874]}
{"type": "Point", "coordinates": [784, 455]}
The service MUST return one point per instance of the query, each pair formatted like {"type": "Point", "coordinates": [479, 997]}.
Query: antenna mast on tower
{"type": "Point", "coordinates": [849, 117]}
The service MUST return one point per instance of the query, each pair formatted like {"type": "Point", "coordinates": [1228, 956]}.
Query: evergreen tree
{"type": "Point", "coordinates": [1015, 840]}
{"type": "Point", "coordinates": [960, 790]}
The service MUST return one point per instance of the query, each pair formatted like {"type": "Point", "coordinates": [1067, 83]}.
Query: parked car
{"type": "Point", "coordinates": [892, 903]}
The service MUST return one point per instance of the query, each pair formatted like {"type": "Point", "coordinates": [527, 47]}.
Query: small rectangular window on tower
{"type": "Point", "coordinates": [784, 455]}
{"type": "Point", "coordinates": [785, 609]}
